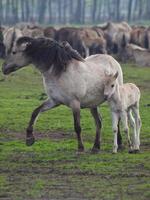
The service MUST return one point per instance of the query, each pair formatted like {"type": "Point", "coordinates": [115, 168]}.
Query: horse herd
{"type": "Point", "coordinates": [74, 77]}
{"type": "Point", "coordinates": [120, 39]}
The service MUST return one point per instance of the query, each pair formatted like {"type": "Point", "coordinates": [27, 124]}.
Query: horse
{"type": "Point", "coordinates": [123, 101]}
{"type": "Point", "coordinates": [68, 80]}
{"type": "Point", "coordinates": [10, 36]}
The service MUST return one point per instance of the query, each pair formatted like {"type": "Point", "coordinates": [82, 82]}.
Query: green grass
{"type": "Point", "coordinates": [51, 169]}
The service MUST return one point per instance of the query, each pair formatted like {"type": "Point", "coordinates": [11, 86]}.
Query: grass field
{"type": "Point", "coordinates": [51, 169]}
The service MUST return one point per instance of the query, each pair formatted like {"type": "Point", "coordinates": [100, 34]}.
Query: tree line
{"type": "Point", "coordinates": [73, 11]}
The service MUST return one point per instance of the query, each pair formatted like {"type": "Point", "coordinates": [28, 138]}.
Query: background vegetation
{"type": "Point", "coordinates": [73, 11]}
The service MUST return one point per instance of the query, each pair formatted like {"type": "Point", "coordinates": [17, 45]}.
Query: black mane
{"type": "Point", "coordinates": [47, 52]}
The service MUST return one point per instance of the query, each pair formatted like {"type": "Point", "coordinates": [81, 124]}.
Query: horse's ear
{"type": "Point", "coordinates": [116, 75]}
{"type": "Point", "coordinates": [108, 74]}
{"type": "Point", "coordinates": [24, 46]}
{"type": "Point", "coordinates": [23, 42]}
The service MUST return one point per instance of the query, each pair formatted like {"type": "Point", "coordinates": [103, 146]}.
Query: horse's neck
{"type": "Point", "coordinates": [48, 75]}
{"type": "Point", "coordinates": [43, 69]}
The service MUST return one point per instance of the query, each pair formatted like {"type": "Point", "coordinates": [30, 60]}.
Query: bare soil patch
{"type": "Point", "coordinates": [54, 135]}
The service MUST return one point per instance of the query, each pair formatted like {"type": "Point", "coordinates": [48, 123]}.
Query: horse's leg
{"type": "Point", "coordinates": [97, 118]}
{"type": "Point", "coordinates": [115, 119]}
{"type": "Point", "coordinates": [124, 118]}
{"type": "Point", "coordinates": [43, 107]}
{"type": "Point", "coordinates": [138, 126]}
{"type": "Point", "coordinates": [75, 105]}
{"type": "Point", "coordinates": [119, 137]}
{"type": "Point", "coordinates": [133, 126]}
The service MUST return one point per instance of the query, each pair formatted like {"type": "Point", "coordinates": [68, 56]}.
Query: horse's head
{"type": "Point", "coordinates": [110, 85]}
{"type": "Point", "coordinates": [17, 57]}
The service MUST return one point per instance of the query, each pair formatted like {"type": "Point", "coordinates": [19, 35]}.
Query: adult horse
{"type": "Point", "coordinates": [68, 79]}
{"type": "Point", "coordinates": [10, 36]}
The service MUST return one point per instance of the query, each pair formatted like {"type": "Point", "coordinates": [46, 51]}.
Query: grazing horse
{"type": "Point", "coordinates": [10, 36]}
{"type": "Point", "coordinates": [68, 79]}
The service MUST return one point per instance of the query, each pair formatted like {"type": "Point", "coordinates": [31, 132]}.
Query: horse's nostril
{"type": "Point", "coordinates": [105, 97]}
{"type": "Point", "coordinates": [4, 69]}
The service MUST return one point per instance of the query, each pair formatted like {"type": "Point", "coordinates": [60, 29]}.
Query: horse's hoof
{"type": "Point", "coordinates": [114, 152]}
{"type": "Point", "coordinates": [80, 151]}
{"type": "Point", "coordinates": [120, 147]}
{"type": "Point", "coordinates": [95, 150]}
{"type": "Point", "coordinates": [30, 141]}
{"type": "Point", "coordinates": [134, 151]}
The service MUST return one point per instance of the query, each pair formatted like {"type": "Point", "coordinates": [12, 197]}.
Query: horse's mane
{"type": "Point", "coordinates": [47, 52]}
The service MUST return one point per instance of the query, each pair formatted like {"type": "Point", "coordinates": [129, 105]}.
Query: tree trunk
{"type": "Point", "coordinates": [148, 10]}
{"type": "Point", "coordinates": [42, 8]}
{"type": "Point", "coordinates": [99, 12]}
{"type": "Point", "coordinates": [7, 12]}
{"type": "Point", "coordinates": [32, 10]}
{"type": "Point", "coordinates": [109, 9]}
{"type": "Point", "coordinates": [78, 11]}
{"type": "Point", "coordinates": [59, 11]}
{"type": "Point", "coordinates": [64, 12]}
{"type": "Point", "coordinates": [94, 8]}
{"type": "Point", "coordinates": [14, 12]}
{"type": "Point", "coordinates": [22, 11]}
{"type": "Point", "coordinates": [83, 11]}
{"type": "Point", "coordinates": [50, 11]}
{"type": "Point", "coordinates": [71, 11]}
{"type": "Point", "coordinates": [140, 9]}
{"type": "Point", "coordinates": [129, 9]}
{"type": "Point", "coordinates": [1, 12]}
{"type": "Point", "coordinates": [118, 10]}
{"type": "Point", "coordinates": [17, 10]}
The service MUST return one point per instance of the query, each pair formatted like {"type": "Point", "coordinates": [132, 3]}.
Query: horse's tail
{"type": "Point", "coordinates": [146, 41]}
{"type": "Point", "coordinates": [123, 41]}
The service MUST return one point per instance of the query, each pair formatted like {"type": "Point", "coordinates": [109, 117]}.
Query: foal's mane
{"type": "Point", "coordinates": [47, 52]}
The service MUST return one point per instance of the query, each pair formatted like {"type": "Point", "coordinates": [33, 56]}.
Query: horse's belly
{"type": "Point", "coordinates": [92, 99]}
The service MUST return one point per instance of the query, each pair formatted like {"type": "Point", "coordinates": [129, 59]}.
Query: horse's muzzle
{"type": "Point", "coordinates": [8, 68]}
{"type": "Point", "coordinates": [105, 97]}
{"type": "Point", "coordinates": [5, 70]}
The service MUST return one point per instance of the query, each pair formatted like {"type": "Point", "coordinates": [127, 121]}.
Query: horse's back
{"type": "Point", "coordinates": [105, 63]}
{"type": "Point", "coordinates": [91, 76]}
{"type": "Point", "coordinates": [82, 80]}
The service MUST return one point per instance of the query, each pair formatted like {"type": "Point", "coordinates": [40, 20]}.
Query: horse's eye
{"type": "Point", "coordinates": [112, 85]}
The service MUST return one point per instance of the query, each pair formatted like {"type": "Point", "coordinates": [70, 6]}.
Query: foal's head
{"type": "Point", "coordinates": [110, 85]}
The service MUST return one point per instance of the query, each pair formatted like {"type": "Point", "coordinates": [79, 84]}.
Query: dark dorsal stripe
{"type": "Point", "coordinates": [12, 41]}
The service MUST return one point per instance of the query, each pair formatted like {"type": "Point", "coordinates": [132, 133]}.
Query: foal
{"type": "Point", "coordinates": [123, 101]}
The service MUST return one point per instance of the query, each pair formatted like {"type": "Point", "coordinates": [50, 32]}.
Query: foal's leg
{"type": "Point", "coordinates": [75, 105]}
{"type": "Point", "coordinates": [119, 137]}
{"type": "Point", "coordinates": [126, 128]}
{"type": "Point", "coordinates": [98, 123]}
{"type": "Point", "coordinates": [138, 125]}
{"type": "Point", "coordinates": [43, 107]}
{"type": "Point", "coordinates": [115, 119]}
{"type": "Point", "coordinates": [133, 125]}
